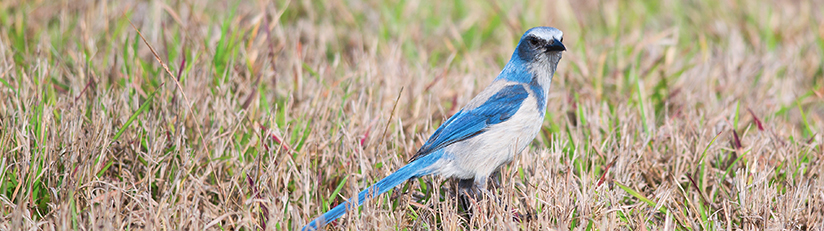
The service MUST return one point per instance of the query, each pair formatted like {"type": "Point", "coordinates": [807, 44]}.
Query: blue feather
{"type": "Point", "coordinates": [413, 169]}
{"type": "Point", "coordinates": [468, 123]}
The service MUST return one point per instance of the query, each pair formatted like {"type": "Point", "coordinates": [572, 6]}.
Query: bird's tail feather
{"type": "Point", "coordinates": [416, 168]}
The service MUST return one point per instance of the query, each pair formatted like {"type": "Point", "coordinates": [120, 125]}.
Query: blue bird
{"type": "Point", "coordinates": [489, 131]}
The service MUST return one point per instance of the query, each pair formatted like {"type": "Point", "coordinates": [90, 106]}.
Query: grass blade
{"type": "Point", "coordinates": [143, 108]}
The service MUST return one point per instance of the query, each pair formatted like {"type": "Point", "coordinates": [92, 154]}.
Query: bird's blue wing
{"type": "Point", "coordinates": [469, 123]}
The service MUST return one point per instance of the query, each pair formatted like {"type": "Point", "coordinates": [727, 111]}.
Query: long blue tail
{"type": "Point", "coordinates": [416, 168]}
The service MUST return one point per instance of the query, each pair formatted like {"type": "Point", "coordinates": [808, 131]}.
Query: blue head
{"type": "Point", "coordinates": [534, 61]}
{"type": "Point", "coordinates": [539, 43]}
{"type": "Point", "coordinates": [536, 56]}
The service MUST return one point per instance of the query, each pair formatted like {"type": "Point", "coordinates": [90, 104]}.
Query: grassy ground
{"type": "Point", "coordinates": [692, 115]}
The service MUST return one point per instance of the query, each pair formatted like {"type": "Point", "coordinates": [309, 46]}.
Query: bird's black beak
{"type": "Point", "coordinates": [555, 45]}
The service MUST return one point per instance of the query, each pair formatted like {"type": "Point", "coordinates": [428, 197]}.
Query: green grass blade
{"type": "Point", "coordinates": [143, 108]}
{"type": "Point", "coordinates": [335, 193]}
{"type": "Point", "coordinates": [636, 194]}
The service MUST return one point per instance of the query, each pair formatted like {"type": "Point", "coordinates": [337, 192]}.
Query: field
{"type": "Point", "coordinates": [248, 115]}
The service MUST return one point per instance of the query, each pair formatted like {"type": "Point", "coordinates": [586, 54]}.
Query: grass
{"type": "Point", "coordinates": [687, 115]}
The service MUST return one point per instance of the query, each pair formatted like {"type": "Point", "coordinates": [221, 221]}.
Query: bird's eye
{"type": "Point", "coordinates": [534, 42]}
{"type": "Point", "coordinates": [562, 39]}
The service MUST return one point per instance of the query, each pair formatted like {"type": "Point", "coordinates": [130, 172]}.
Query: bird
{"type": "Point", "coordinates": [489, 131]}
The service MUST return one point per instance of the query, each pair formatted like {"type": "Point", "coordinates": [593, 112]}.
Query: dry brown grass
{"type": "Point", "coordinates": [694, 115]}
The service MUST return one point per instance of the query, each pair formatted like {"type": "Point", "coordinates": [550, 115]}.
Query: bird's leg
{"type": "Point", "coordinates": [496, 178]}
{"type": "Point", "coordinates": [471, 191]}
{"type": "Point", "coordinates": [470, 188]}
{"type": "Point", "coordinates": [480, 188]}
{"type": "Point", "coordinates": [465, 194]}
{"type": "Point", "coordinates": [465, 183]}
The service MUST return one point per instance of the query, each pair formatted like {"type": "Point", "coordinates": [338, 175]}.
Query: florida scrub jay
{"type": "Point", "coordinates": [490, 130]}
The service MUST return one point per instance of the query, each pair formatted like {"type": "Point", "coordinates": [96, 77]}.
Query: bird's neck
{"type": "Point", "coordinates": [541, 73]}
{"type": "Point", "coordinates": [538, 75]}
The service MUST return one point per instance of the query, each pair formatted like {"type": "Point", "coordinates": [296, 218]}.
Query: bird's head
{"type": "Point", "coordinates": [537, 55]}
{"type": "Point", "coordinates": [541, 45]}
